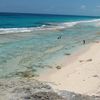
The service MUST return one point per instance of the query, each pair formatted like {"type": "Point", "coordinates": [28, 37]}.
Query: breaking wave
{"type": "Point", "coordinates": [50, 26]}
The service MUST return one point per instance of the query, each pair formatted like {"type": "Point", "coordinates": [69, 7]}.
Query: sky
{"type": "Point", "coordinates": [67, 7]}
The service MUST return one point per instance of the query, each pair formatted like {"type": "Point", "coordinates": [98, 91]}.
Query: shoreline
{"type": "Point", "coordinates": [48, 87]}
{"type": "Point", "coordinates": [65, 60]}
{"type": "Point", "coordinates": [72, 77]}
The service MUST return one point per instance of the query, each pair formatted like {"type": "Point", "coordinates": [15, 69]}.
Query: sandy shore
{"type": "Point", "coordinates": [81, 75]}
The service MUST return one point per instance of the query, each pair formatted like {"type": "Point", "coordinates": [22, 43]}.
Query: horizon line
{"type": "Point", "coordinates": [48, 14]}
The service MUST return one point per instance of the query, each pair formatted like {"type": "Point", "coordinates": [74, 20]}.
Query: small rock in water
{"type": "Point", "coordinates": [26, 74]}
{"type": "Point", "coordinates": [67, 54]}
{"type": "Point", "coordinates": [58, 67]}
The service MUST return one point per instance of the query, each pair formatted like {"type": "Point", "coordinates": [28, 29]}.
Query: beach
{"type": "Point", "coordinates": [49, 57]}
{"type": "Point", "coordinates": [82, 75]}
{"type": "Point", "coordinates": [75, 78]}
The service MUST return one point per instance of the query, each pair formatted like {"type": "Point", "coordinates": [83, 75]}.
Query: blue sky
{"type": "Point", "coordinates": [75, 7]}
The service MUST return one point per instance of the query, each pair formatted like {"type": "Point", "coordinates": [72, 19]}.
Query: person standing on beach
{"type": "Point", "coordinates": [59, 37]}
{"type": "Point", "coordinates": [83, 41]}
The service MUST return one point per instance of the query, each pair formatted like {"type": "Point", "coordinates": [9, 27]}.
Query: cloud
{"type": "Point", "coordinates": [98, 6]}
{"type": "Point", "coordinates": [83, 7]}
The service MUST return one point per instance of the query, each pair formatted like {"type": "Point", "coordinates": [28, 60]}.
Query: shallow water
{"type": "Point", "coordinates": [25, 51]}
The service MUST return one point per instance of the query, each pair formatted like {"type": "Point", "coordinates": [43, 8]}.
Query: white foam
{"type": "Point", "coordinates": [71, 24]}
{"type": "Point", "coordinates": [57, 26]}
{"type": "Point", "coordinates": [14, 30]}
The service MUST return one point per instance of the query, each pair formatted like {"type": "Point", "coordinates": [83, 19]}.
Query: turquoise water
{"type": "Point", "coordinates": [30, 43]}
{"type": "Point", "coordinates": [10, 20]}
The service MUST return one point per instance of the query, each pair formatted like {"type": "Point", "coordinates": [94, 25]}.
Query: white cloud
{"type": "Point", "coordinates": [83, 7]}
{"type": "Point", "coordinates": [98, 6]}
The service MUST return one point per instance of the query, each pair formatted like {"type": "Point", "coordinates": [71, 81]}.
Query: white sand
{"type": "Point", "coordinates": [82, 75]}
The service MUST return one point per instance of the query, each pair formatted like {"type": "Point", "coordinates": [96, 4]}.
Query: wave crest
{"type": "Point", "coordinates": [50, 26]}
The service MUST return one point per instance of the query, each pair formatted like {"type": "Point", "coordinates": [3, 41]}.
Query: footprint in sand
{"type": "Point", "coordinates": [88, 60]}
{"type": "Point", "coordinates": [95, 76]}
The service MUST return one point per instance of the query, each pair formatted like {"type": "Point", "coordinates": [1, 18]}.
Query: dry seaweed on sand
{"type": "Point", "coordinates": [58, 67]}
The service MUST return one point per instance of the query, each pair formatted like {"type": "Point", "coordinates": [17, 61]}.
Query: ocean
{"type": "Point", "coordinates": [31, 43]}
